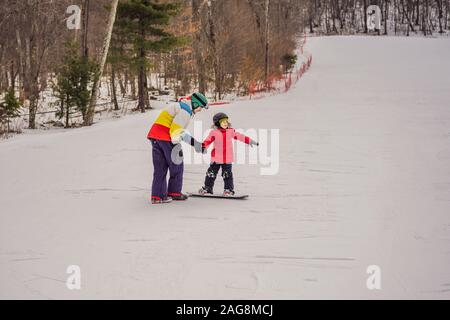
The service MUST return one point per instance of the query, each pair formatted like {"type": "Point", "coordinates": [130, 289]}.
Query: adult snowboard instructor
{"type": "Point", "coordinates": [166, 135]}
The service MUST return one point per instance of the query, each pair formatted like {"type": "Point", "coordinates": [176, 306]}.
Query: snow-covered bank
{"type": "Point", "coordinates": [364, 180]}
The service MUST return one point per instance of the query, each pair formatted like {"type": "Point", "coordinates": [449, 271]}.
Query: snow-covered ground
{"type": "Point", "coordinates": [364, 180]}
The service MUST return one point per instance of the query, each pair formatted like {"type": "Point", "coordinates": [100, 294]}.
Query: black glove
{"type": "Point", "coordinates": [253, 143]}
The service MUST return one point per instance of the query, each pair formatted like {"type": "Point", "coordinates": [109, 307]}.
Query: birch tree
{"type": "Point", "coordinates": [104, 54]}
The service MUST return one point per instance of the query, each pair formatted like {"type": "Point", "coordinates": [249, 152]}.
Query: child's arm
{"type": "Point", "coordinates": [243, 138]}
{"type": "Point", "coordinates": [210, 139]}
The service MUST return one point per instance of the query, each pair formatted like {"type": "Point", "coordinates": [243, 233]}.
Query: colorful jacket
{"type": "Point", "coordinates": [223, 144]}
{"type": "Point", "coordinates": [171, 123]}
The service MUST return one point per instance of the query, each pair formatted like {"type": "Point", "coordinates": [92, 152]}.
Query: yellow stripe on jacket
{"type": "Point", "coordinates": [176, 130]}
{"type": "Point", "coordinates": [171, 123]}
{"type": "Point", "coordinates": [165, 119]}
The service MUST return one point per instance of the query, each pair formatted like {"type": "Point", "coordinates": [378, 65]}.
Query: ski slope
{"type": "Point", "coordinates": [364, 179]}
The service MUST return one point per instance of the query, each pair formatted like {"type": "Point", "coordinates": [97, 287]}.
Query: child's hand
{"type": "Point", "coordinates": [198, 147]}
{"type": "Point", "coordinates": [253, 143]}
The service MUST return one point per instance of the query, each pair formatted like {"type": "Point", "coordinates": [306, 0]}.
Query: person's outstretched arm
{"type": "Point", "coordinates": [193, 142]}
{"type": "Point", "coordinates": [243, 138]}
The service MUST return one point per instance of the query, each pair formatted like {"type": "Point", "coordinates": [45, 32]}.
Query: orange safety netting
{"type": "Point", "coordinates": [282, 83]}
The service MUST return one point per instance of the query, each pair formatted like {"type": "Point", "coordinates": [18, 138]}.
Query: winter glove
{"type": "Point", "coordinates": [198, 147]}
{"type": "Point", "coordinates": [190, 140]}
{"type": "Point", "coordinates": [253, 143]}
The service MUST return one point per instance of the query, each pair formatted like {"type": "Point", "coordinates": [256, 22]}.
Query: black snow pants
{"type": "Point", "coordinates": [227, 175]}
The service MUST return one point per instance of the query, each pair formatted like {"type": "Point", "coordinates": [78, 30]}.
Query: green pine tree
{"type": "Point", "coordinates": [140, 23]}
{"type": "Point", "coordinates": [74, 78]}
{"type": "Point", "coordinates": [289, 60]}
{"type": "Point", "coordinates": [9, 109]}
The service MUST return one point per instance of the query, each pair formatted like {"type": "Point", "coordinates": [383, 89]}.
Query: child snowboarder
{"type": "Point", "coordinates": [222, 154]}
{"type": "Point", "coordinates": [166, 135]}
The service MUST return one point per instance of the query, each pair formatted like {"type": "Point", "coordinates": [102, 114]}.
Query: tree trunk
{"type": "Point", "coordinates": [311, 29]}
{"type": "Point", "coordinates": [67, 115]}
{"type": "Point", "coordinates": [417, 13]}
{"type": "Point", "coordinates": [91, 109]}
{"type": "Point", "coordinates": [165, 72]}
{"type": "Point", "coordinates": [113, 88]}
{"type": "Point", "coordinates": [133, 87]}
{"type": "Point", "coordinates": [146, 98]}
{"type": "Point", "coordinates": [141, 100]}
{"type": "Point", "coordinates": [29, 85]}
{"type": "Point", "coordinates": [213, 42]}
{"type": "Point", "coordinates": [366, 30]}
{"type": "Point", "coordinates": [424, 21]}
{"type": "Point", "coordinates": [406, 14]}
{"type": "Point", "coordinates": [84, 42]}
{"type": "Point", "coordinates": [395, 18]}
{"type": "Point", "coordinates": [440, 15]}
{"type": "Point", "coordinates": [21, 67]}
{"type": "Point", "coordinates": [4, 79]}
{"type": "Point", "coordinates": [108, 87]}
{"type": "Point", "coordinates": [197, 46]}
{"type": "Point", "coordinates": [122, 86]}
{"type": "Point", "coordinates": [141, 83]}
{"type": "Point", "coordinates": [447, 15]}
{"type": "Point", "coordinates": [32, 110]}
{"type": "Point", "coordinates": [386, 15]}
{"type": "Point", "coordinates": [266, 37]}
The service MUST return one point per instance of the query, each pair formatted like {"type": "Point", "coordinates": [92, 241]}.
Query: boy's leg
{"type": "Point", "coordinates": [227, 175]}
{"type": "Point", "coordinates": [211, 175]}
{"type": "Point", "coordinates": [159, 185]}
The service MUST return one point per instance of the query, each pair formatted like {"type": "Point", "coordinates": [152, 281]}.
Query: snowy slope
{"type": "Point", "coordinates": [364, 180]}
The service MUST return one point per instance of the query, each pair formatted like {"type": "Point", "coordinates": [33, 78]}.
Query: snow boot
{"type": "Point", "coordinates": [228, 193]}
{"type": "Point", "coordinates": [178, 196]}
{"type": "Point", "coordinates": [158, 200]}
{"type": "Point", "coordinates": [204, 191]}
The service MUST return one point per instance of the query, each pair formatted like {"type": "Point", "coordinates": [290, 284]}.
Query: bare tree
{"type": "Point", "coordinates": [36, 28]}
{"type": "Point", "coordinates": [104, 54]}
{"type": "Point", "coordinates": [266, 37]}
{"type": "Point", "coordinates": [198, 46]}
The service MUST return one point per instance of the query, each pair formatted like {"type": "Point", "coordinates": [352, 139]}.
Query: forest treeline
{"type": "Point", "coordinates": [140, 46]}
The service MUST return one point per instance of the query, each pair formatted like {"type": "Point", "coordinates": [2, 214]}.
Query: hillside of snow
{"type": "Point", "coordinates": [363, 179]}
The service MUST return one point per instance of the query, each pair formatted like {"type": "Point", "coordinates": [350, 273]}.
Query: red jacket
{"type": "Point", "coordinates": [223, 144]}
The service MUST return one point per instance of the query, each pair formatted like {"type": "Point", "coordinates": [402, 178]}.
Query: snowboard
{"type": "Point", "coordinates": [218, 196]}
